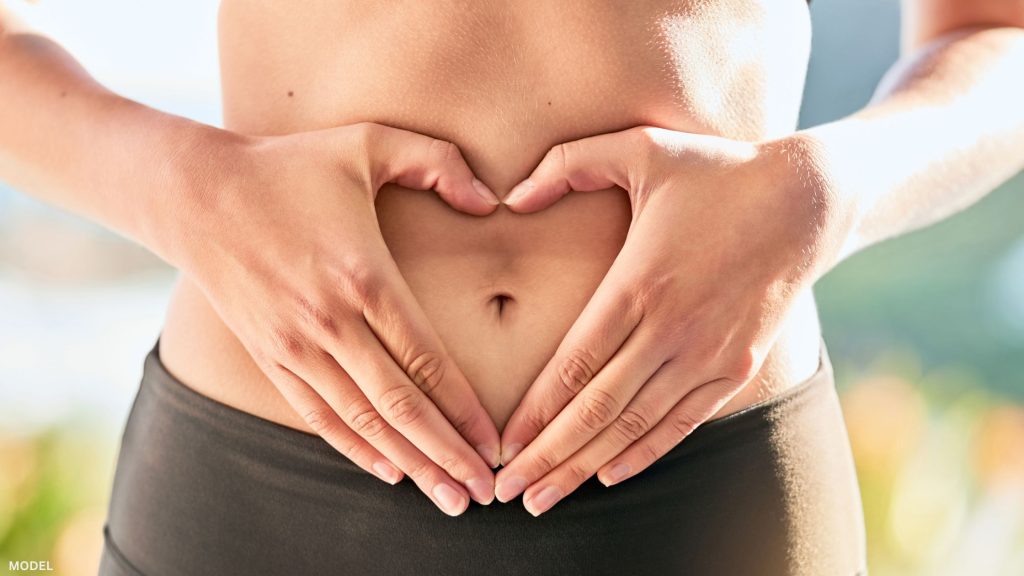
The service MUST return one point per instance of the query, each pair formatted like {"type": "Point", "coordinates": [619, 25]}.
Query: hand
{"type": "Point", "coordinates": [724, 234]}
{"type": "Point", "coordinates": [289, 252]}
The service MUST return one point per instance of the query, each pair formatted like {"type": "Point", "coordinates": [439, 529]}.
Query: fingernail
{"type": "Point", "coordinates": [510, 488]}
{"type": "Point", "coordinates": [510, 452]}
{"type": "Point", "coordinates": [616, 474]}
{"type": "Point", "coordinates": [490, 454]}
{"type": "Point", "coordinates": [450, 500]}
{"type": "Point", "coordinates": [387, 472]}
{"type": "Point", "coordinates": [481, 490]}
{"type": "Point", "coordinates": [485, 192]}
{"type": "Point", "coordinates": [519, 191]}
{"type": "Point", "coordinates": [544, 500]}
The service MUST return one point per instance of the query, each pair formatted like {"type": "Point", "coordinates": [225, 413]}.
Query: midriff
{"type": "Point", "coordinates": [505, 82]}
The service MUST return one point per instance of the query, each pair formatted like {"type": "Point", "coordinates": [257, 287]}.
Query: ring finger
{"type": "Point", "coordinates": [340, 392]}
{"type": "Point", "coordinates": [647, 408]}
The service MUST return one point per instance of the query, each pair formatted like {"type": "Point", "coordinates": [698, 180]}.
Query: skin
{"type": "Point", "coordinates": [359, 328]}
{"type": "Point", "coordinates": [504, 116]}
{"type": "Point", "coordinates": [302, 297]}
{"type": "Point", "coordinates": [659, 350]}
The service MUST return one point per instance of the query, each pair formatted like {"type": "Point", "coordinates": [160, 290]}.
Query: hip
{"type": "Point", "coordinates": [203, 488]}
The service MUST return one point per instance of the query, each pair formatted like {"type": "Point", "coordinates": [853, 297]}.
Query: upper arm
{"type": "Point", "coordinates": [926, 20]}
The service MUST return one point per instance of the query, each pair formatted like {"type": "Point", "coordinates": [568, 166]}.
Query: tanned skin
{"type": "Point", "coordinates": [648, 267]}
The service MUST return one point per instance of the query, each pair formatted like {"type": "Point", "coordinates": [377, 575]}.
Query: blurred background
{"type": "Point", "coordinates": [926, 332]}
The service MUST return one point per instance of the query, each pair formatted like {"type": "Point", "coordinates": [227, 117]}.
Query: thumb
{"type": "Point", "coordinates": [422, 162]}
{"type": "Point", "coordinates": [594, 163]}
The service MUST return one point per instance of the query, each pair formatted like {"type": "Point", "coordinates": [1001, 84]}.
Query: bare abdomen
{"type": "Point", "coordinates": [501, 290]}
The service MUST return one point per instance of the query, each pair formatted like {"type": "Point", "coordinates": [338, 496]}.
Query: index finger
{"type": "Point", "coordinates": [403, 329]}
{"type": "Point", "coordinates": [586, 416]}
{"type": "Point", "coordinates": [606, 322]}
{"type": "Point", "coordinates": [423, 162]}
{"type": "Point", "coordinates": [586, 165]}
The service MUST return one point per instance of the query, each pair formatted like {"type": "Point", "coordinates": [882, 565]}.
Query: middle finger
{"type": "Point", "coordinates": [590, 412]}
{"type": "Point", "coordinates": [336, 388]}
{"type": "Point", "coordinates": [406, 408]}
{"type": "Point", "coordinates": [651, 404]}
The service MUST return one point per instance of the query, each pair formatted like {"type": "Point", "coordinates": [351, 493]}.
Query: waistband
{"type": "Point", "coordinates": [203, 488]}
{"type": "Point", "coordinates": [291, 448]}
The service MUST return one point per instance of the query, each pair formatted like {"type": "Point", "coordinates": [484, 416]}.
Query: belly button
{"type": "Point", "coordinates": [502, 301]}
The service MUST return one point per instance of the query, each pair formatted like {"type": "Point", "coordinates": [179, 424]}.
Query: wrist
{"type": "Point", "coordinates": [800, 168]}
{"type": "Point", "coordinates": [201, 168]}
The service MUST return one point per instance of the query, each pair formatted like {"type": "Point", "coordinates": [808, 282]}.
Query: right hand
{"type": "Point", "coordinates": [290, 254]}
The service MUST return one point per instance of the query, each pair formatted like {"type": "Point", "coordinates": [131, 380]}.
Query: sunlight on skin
{"type": "Point", "coordinates": [702, 74]}
{"type": "Point", "coordinates": [959, 82]}
{"type": "Point", "coordinates": [922, 118]}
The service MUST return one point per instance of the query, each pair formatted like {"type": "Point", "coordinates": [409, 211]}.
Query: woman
{"type": "Point", "coordinates": [333, 325]}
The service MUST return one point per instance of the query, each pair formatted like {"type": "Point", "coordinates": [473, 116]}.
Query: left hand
{"type": "Point", "coordinates": [724, 235]}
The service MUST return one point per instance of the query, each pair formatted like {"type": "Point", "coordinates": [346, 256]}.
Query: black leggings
{"type": "Point", "coordinates": [202, 488]}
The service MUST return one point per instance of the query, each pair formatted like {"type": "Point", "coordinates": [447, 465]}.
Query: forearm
{"type": "Point", "coordinates": [69, 141]}
{"type": "Point", "coordinates": [946, 126]}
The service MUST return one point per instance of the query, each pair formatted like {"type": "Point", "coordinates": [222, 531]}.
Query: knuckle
{"type": "Point", "coordinates": [420, 469]}
{"type": "Point", "coordinates": [575, 371]}
{"type": "Point", "coordinates": [317, 316]}
{"type": "Point", "coordinates": [646, 136]}
{"type": "Point", "coordinates": [460, 420]}
{"type": "Point", "coordinates": [444, 150]}
{"type": "Point", "coordinates": [367, 422]}
{"type": "Point", "coordinates": [556, 155]}
{"type": "Point", "coordinates": [577, 472]}
{"type": "Point", "coordinates": [649, 453]}
{"type": "Point", "coordinates": [404, 405]}
{"type": "Point", "coordinates": [562, 152]}
{"type": "Point", "coordinates": [597, 410]}
{"type": "Point", "coordinates": [450, 463]}
{"type": "Point", "coordinates": [353, 449]}
{"type": "Point", "coordinates": [359, 139]}
{"type": "Point", "coordinates": [545, 460]}
{"type": "Point", "coordinates": [364, 133]}
{"type": "Point", "coordinates": [645, 142]}
{"type": "Point", "coordinates": [427, 370]}
{"type": "Point", "coordinates": [287, 343]}
{"type": "Point", "coordinates": [650, 144]}
{"type": "Point", "coordinates": [743, 367]}
{"type": "Point", "coordinates": [533, 421]}
{"type": "Point", "coordinates": [564, 157]}
{"type": "Point", "coordinates": [653, 290]}
{"type": "Point", "coordinates": [683, 421]}
{"type": "Point", "coordinates": [360, 281]}
{"type": "Point", "coordinates": [632, 424]}
{"type": "Point", "coordinates": [320, 420]}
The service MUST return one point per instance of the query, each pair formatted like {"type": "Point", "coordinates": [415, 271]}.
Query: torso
{"type": "Point", "coordinates": [505, 81]}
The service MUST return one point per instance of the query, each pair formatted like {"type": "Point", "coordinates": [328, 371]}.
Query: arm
{"type": "Point", "coordinates": [317, 300]}
{"type": "Point", "coordinates": [69, 141]}
{"type": "Point", "coordinates": [678, 326]}
{"type": "Point", "coordinates": [945, 127]}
